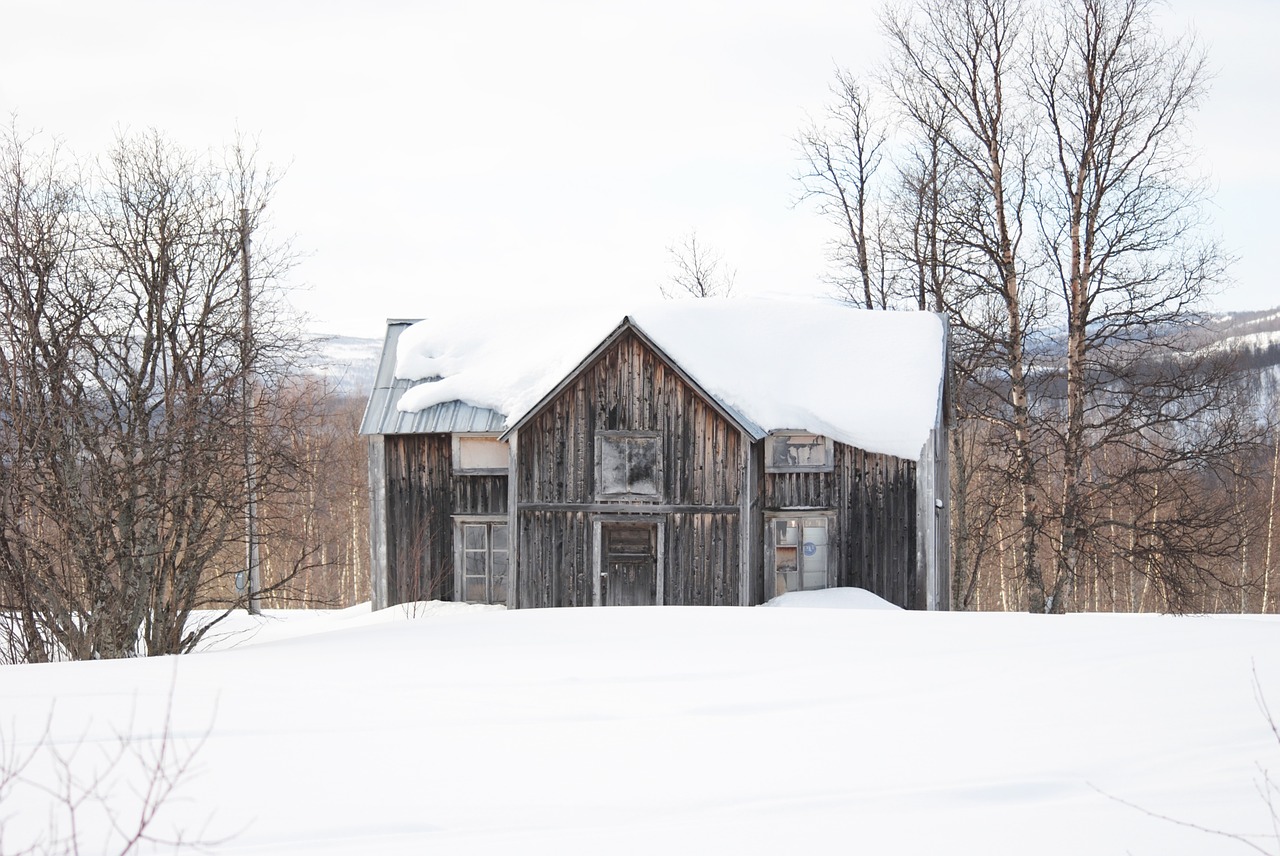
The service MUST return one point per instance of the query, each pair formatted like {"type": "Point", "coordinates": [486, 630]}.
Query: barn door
{"type": "Point", "coordinates": [629, 564]}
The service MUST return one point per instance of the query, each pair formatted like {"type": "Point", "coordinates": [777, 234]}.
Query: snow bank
{"type": "Point", "coordinates": [868, 379]}
{"type": "Point", "coordinates": [832, 598]}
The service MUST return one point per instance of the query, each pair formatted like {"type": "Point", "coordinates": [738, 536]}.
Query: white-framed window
{"type": "Point", "coordinates": [479, 454]}
{"type": "Point", "coordinates": [481, 560]}
{"type": "Point", "coordinates": [792, 452]}
{"type": "Point", "coordinates": [799, 554]}
{"type": "Point", "coordinates": [628, 465]}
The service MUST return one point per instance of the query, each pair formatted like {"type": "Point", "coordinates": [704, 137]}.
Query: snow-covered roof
{"type": "Point", "coordinates": [868, 379]}
{"type": "Point", "coordinates": [381, 412]}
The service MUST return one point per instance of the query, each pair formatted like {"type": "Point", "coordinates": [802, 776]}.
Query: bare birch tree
{"type": "Point", "coordinates": [954, 73]}
{"type": "Point", "coordinates": [1044, 200]}
{"type": "Point", "coordinates": [698, 271]}
{"type": "Point", "coordinates": [122, 361]}
{"type": "Point", "coordinates": [1118, 212]}
{"type": "Point", "coordinates": [841, 157]}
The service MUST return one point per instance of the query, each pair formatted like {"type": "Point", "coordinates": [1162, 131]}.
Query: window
{"type": "Point", "coordinates": [798, 453]}
{"type": "Point", "coordinates": [628, 466]}
{"type": "Point", "coordinates": [798, 554]}
{"type": "Point", "coordinates": [482, 561]}
{"type": "Point", "coordinates": [479, 454]}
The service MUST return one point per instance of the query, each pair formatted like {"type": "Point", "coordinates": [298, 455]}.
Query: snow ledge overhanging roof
{"type": "Point", "coordinates": [869, 379]}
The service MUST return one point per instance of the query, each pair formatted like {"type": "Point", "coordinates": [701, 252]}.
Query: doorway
{"type": "Point", "coordinates": [628, 563]}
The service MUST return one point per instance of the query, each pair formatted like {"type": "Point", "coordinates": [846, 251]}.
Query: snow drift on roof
{"type": "Point", "coordinates": [868, 379]}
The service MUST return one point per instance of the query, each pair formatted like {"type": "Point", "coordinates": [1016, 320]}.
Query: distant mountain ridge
{"type": "Point", "coordinates": [1254, 336]}
{"type": "Point", "coordinates": [347, 364]}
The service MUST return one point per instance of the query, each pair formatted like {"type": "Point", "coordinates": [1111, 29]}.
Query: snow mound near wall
{"type": "Point", "coordinates": [833, 598]}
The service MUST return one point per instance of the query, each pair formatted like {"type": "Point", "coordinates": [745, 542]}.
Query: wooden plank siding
{"type": "Point", "coordinates": [553, 551]}
{"type": "Point", "coordinates": [874, 497]}
{"type": "Point", "coordinates": [876, 523]}
{"type": "Point", "coordinates": [479, 494]}
{"type": "Point", "coordinates": [629, 387]}
{"type": "Point", "coordinates": [702, 559]}
{"type": "Point", "coordinates": [422, 495]}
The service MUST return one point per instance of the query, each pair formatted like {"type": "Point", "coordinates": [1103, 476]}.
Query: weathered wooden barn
{"type": "Point", "coordinates": [698, 452]}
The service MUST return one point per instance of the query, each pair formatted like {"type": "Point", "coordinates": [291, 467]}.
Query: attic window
{"type": "Point", "coordinates": [628, 465]}
{"type": "Point", "coordinates": [479, 454]}
{"type": "Point", "coordinates": [787, 452]}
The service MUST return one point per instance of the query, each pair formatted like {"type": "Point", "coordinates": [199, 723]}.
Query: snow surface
{"type": "Point", "coordinates": [869, 379]}
{"type": "Point", "coordinates": [447, 730]}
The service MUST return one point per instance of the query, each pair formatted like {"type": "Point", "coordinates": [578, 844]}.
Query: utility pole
{"type": "Point", "coordinates": [253, 571]}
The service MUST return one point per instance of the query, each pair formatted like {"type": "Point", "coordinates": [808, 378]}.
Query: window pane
{"type": "Point", "coordinates": [499, 589]}
{"type": "Point", "coordinates": [785, 533]}
{"type": "Point", "coordinates": [629, 466]}
{"type": "Point", "coordinates": [498, 535]}
{"type": "Point", "coordinates": [473, 563]}
{"type": "Point", "coordinates": [643, 465]}
{"type": "Point", "coordinates": [815, 532]}
{"type": "Point", "coordinates": [815, 557]}
{"type": "Point", "coordinates": [814, 566]}
{"type": "Point", "coordinates": [473, 590]}
{"type": "Point", "coordinates": [613, 465]}
{"type": "Point", "coordinates": [473, 536]}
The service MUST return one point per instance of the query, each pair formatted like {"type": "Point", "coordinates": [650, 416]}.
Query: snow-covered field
{"type": "Point", "coordinates": [835, 729]}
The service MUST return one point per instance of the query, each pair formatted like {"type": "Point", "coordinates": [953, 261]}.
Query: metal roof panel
{"type": "Point", "coordinates": [381, 415]}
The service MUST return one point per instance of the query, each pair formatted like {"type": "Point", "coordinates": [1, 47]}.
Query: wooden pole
{"type": "Point", "coordinates": [252, 566]}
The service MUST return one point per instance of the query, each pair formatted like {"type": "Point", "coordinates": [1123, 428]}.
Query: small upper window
{"type": "Point", "coordinates": [479, 454]}
{"type": "Point", "coordinates": [798, 453]}
{"type": "Point", "coordinates": [628, 465]}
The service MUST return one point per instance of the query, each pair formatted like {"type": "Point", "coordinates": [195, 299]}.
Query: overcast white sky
{"type": "Point", "coordinates": [440, 152]}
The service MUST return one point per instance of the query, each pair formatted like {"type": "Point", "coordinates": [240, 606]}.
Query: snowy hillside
{"type": "Point", "coordinates": [449, 730]}
{"type": "Point", "coordinates": [348, 364]}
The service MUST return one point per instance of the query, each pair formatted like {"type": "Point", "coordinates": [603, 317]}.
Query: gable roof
{"type": "Point", "coordinates": [868, 379]}
{"type": "Point", "coordinates": [741, 422]}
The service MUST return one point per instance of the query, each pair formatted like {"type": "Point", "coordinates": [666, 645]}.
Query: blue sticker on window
{"type": "Point", "coordinates": [810, 548]}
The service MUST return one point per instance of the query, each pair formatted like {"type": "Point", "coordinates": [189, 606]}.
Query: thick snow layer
{"type": "Point", "coordinates": [869, 379]}
{"type": "Point", "coordinates": [444, 730]}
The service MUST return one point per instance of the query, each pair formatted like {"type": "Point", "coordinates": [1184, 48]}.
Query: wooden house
{"type": "Point", "coordinates": [694, 453]}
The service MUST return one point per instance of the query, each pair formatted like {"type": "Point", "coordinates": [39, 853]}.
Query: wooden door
{"type": "Point", "coordinates": [629, 564]}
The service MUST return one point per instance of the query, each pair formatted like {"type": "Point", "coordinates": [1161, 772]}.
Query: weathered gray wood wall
{"type": "Point", "coordinates": [874, 497]}
{"type": "Point", "coordinates": [422, 494]}
{"type": "Point", "coordinates": [933, 509]}
{"type": "Point", "coordinates": [377, 471]}
{"type": "Point", "coordinates": [419, 540]}
{"type": "Point", "coordinates": [629, 387]}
